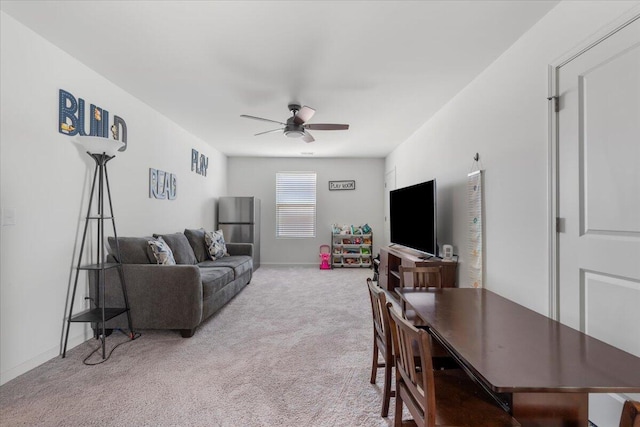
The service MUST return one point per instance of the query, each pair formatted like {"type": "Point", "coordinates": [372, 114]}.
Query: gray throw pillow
{"type": "Point", "coordinates": [133, 250]}
{"type": "Point", "coordinates": [196, 240]}
{"type": "Point", "coordinates": [182, 251]}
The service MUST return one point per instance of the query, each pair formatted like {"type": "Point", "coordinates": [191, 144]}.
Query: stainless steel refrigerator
{"type": "Point", "coordinates": [239, 220]}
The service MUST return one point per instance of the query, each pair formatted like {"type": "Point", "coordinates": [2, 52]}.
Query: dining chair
{"type": "Point", "coordinates": [630, 414]}
{"type": "Point", "coordinates": [425, 278]}
{"type": "Point", "coordinates": [420, 278]}
{"type": "Point", "coordinates": [436, 397]}
{"type": "Point", "coordinates": [381, 342]}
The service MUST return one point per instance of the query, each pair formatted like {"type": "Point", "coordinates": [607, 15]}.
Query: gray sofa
{"type": "Point", "coordinates": [177, 296]}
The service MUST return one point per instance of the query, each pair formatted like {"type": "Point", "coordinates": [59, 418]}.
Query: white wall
{"type": "Point", "coordinates": [503, 115]}
{"type": "Point", "coordinates": [250, 176]}
{"type": "Point", "coordinates": [44, 178]}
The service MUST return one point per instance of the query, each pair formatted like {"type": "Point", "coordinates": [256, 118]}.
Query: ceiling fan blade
{"type": "Point", "coordinates": [326, 126]}
{"type": "Point", "coordinates": [260, 118]}
{"type": "Point", "coordinates": [304, 115]}
{"type": "Point", "coordinates": [307, 137]}
{"type": "Point", "coordinates": [269, 131]}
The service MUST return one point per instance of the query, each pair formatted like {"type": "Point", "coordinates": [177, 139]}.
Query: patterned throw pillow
{"type": "Point", "coordinates": [161, 251]}
{"type": "Point", "coordinates": [215, 244]}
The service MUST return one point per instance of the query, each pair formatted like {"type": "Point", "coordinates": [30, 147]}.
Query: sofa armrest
{"type": "Point", "coordinates": [240, 248]}
{"type": "Point", "coordinates": [160, 296]}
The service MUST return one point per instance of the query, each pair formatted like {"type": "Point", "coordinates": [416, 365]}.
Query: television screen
{"type": "Point", "coordinates": [412, 212]}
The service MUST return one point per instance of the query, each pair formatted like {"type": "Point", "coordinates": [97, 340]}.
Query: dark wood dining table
{"type": "Point", "coordinates": [538, 369]}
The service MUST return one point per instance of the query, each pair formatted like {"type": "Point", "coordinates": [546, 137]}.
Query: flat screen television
{"type": "Point", "coordinates": [412, 217]}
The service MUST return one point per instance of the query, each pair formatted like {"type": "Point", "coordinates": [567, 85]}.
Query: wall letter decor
{"type": "Point", "coordinates": [162, 185]}
{"type": "Point", "coordinates": [72, 121]}
{"type": "Point", "coordinates": [199, 162]}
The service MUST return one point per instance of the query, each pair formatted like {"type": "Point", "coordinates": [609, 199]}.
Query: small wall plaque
{"type": "Point", "coordinates": [342, 185]}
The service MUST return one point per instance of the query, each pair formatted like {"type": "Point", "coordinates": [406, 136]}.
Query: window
{"type": "Point", "coordinates": [296, 204]}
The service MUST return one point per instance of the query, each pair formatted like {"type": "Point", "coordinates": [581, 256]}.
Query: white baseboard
{"type": "Point", "coordinates": [34, 362]}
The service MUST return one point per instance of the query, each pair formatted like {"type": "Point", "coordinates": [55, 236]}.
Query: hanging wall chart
{"type": "Point", "coordinates": [475, 242]}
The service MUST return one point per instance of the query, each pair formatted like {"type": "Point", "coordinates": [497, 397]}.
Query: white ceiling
{"type": "Point", "coordinates": [383, 67]}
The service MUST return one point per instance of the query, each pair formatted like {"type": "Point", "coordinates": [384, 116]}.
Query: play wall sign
{"type": "Point", "coordinates": [199, 162]}
{"type": "Point", "coordinates": [342, 185]}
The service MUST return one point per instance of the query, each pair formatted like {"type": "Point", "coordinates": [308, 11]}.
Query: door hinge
{"type": "Point", "coordinates": [556, 103]}
{"type": "Point", "coordinates": [560, 224]}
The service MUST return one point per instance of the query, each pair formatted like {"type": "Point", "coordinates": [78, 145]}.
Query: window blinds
{"type": "Point", "coordinates": [295, 204]}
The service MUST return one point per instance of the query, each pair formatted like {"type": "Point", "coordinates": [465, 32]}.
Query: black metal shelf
{"type": "Point", "coordinates": [95, 314]}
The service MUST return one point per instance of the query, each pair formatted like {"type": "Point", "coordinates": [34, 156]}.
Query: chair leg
{"type": "Point", "coordinates": [387, 393]}
{"type": "Point", "coordinates": [374, 362]}
{"type": "Point", "coordinates": [397, 421]}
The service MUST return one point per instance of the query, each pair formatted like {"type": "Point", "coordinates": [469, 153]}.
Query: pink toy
{"type": "Point", "coordinates": [325, 254]}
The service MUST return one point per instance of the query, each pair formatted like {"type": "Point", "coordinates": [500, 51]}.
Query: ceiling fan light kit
{"type": "Point", "coordinates": [296, 125]}
{"type": "Point", "coordinates": [293, 133]}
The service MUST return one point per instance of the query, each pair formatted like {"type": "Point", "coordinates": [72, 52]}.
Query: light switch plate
{"type": "Point", "coordinates": [8, 216]}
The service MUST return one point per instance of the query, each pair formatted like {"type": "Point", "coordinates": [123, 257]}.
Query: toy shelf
{"type": "Point", "coordinates": [351, 249]}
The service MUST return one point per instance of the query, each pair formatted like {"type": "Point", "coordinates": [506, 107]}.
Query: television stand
{"type": "Point", "coordinates": [391, 257]}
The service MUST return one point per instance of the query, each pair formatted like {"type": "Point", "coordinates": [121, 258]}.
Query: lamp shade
{"type": "Point", "coordinates": [99, 145]}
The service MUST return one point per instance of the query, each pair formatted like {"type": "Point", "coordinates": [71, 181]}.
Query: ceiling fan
{"type": "Point", "coordinates": [296, 125]}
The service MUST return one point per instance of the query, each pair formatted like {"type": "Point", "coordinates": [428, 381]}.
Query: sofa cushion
{"type": "Point", "coordinates": [133, 250]}
{"type": "Point", "coordinates": [215, 244]}
{"type": "Point", "coordinates": [214, 279]}
{"type": "Point", "coordinates": [239, 263]}
{"type": "Point", "coordinates": [196, 240]}
{"type": "Point", "coordinates": [161, 251]}
{"type": "Point", "coordinates": [181, 248]}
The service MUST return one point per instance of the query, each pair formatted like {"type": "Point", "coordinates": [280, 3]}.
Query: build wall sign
{"type": "Point", "coordinates": [162, 185]}
{"type": "Point", "coordinates": [75, 118]}
{"type": "Point", "coordinates": [199, 162]}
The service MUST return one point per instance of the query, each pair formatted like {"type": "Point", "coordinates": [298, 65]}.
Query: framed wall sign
{"type": "Point", "coordinates": [342, 185]}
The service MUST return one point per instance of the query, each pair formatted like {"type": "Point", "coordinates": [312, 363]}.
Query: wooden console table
{"type": "Point", "coordinates": [535, 367]}
{"type": "Point", "coordinates": [391, 258]}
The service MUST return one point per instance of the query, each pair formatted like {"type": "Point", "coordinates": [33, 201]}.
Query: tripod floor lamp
{"type": "Point", "coordinates": [101, 151]}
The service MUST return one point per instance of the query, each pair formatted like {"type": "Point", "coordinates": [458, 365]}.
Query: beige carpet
{"type": "Point", "coordinates": [292, 349]}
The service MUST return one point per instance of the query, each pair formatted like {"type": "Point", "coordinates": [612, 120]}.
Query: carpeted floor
{"type": "Point", "coordinates": [292, 349]}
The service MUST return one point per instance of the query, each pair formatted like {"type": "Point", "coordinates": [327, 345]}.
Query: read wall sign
{"type": "Point", "coordinates": [342, 185]}
{"type": "Point", "coordinates": [162, 185]}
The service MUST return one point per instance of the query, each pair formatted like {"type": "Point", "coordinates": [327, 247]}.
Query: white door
{"type": "Point", "coordinates": [599, 199]}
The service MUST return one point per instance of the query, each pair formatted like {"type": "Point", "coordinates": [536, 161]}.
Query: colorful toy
{"type": "Point", "coordinates": [325, 254]}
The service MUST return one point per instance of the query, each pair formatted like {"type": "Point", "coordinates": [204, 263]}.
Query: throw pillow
{"type": "Point", "coordinates": [215, 244]}
{"type": "Point", "coordinates": [196, 240]}
{"type": "Point", "coordinates": [162, 251]}
{"type": "Point", "coordinates": [133, 250]}
{"type": "Point", "coordinates": [182, 251]}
